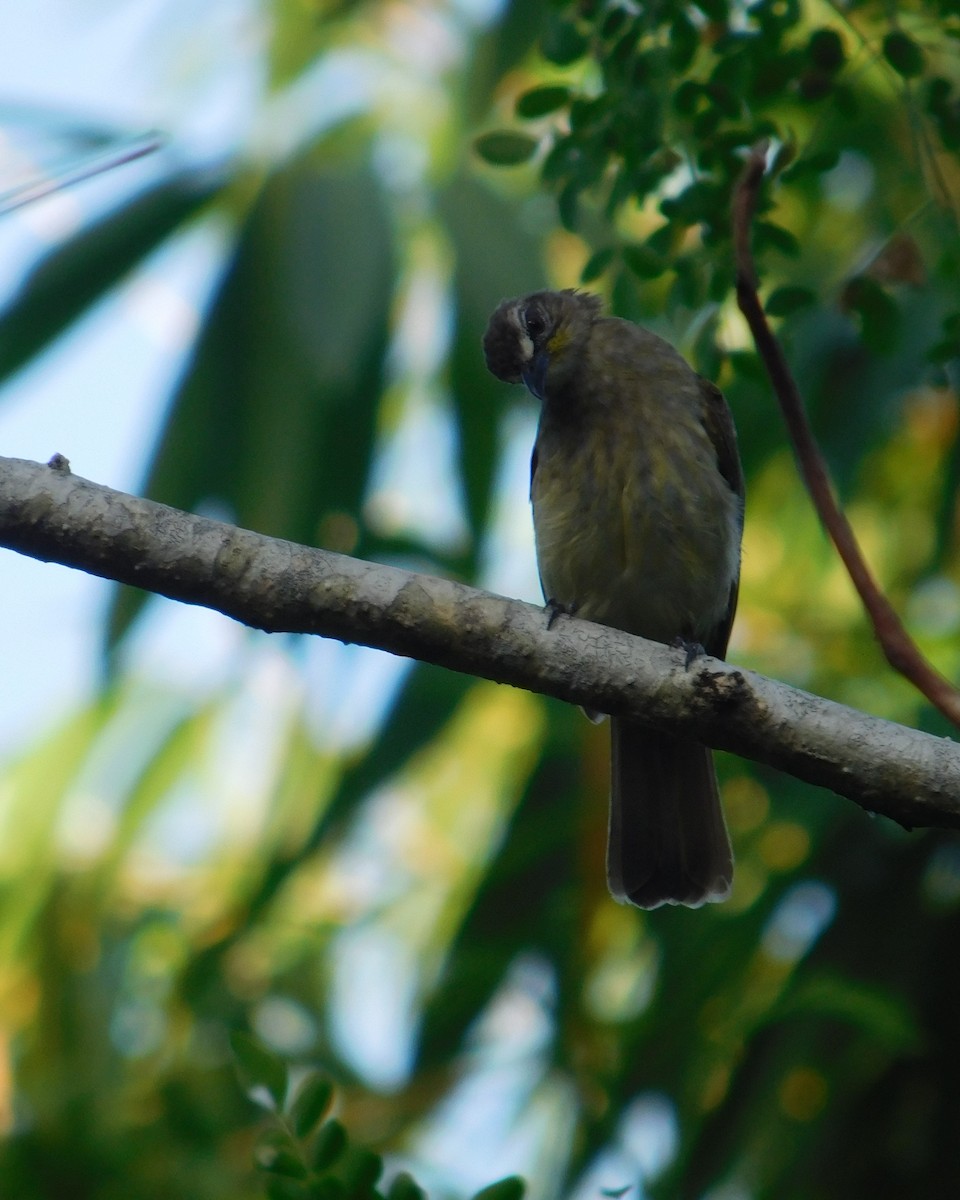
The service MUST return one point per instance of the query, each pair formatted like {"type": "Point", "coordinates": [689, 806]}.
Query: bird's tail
{"type": "Point", "coordinates": [668, 843]}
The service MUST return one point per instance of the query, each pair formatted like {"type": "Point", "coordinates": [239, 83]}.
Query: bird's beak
{"type": "Point", "coordinates": [534, 374]}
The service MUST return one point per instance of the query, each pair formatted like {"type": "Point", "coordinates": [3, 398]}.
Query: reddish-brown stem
{"type": "Point", "coordinates": [899, 648]}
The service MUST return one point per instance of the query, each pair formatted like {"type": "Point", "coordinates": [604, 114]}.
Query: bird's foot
{"type": "Point", "coordinates": [692, 650]}
{"type": "Point", "coordinates": [554, 609]}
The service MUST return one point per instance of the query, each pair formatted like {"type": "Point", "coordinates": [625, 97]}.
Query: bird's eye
{"type": "Point", "coordinates": [535, 322]}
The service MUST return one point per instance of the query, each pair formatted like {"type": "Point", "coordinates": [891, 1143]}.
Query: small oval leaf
{"type": "Point", "coordinates": [644, 261]}
{"type": "Point", "coordinates": [286, 1164]}
{"type": "Point", "coordinates": [786, 300]}
{"type": "Point", "coordinates": [511, 1188]}
{"type": "Point", "coordinates": [903, 54]}
{"type": "Point", "coordinates": [328, 1187]}
{"type": "Point", "coordinates": [259, 1067]}
{"type": "Point", "coordinates": [404, 1187]}
{"type": "Point", "coordinates": [766, 234]}
{"type": "Point", "coordinates": [562, 42]}
{"type": "Point", "coordinates": [596, 264]}
{"type": "Point", "coordinates": [825, 50]}
{"type": "Point", "coordinates": [330, 1144]}
{"type": "Point", "coordinates": [311, 1105]}
{"type": "Point", "coordinates": [504, 148]}
{"type": "Point", "coordinates": [542, 100]}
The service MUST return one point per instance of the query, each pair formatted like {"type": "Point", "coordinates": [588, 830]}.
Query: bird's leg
{"type": "Point", "coordinates": [692, 649]}
{"type": "Point", "coordinates": [555, 608]}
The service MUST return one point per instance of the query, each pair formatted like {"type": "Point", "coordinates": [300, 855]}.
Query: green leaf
{"type": "Point", "coordinates": [278, 1154]}
{"type": "Point", "coordinates": [813, 164]}
{"type": "Point", "coordinates": [66, 284]}
{"type": "Point", "coordinates": [286, 1164]}
{"type": "Point", "coordinates": [310, 1107]}
{"type": "Point", "coordinates": [878, 311]}
{"type": "Point", "coordinates": [825, 50]}
{"type": "Point", "coordinates": [597, 263]}
{"type": "Point", "coordinates": [562, 43]}
{"type": "Point", "coordinates": [903, 54]}
{"type": "Point", "coordinates": [869, 1008]}
{"type": "Point", "coordinates": [644, 261]}
{"type": "Point", "coordinates": [304, 313]}
{"type": "Point", "coordinates": [505, 148]}
{"type": "Point", "coordinates": [327, 1188]}
{"type": "Point", "coordinates": [279, 1187]}
{"type": "Point", "coordinates": [259, 1067]}
{"type": "Point", "coordinates": [510, 1188]}
{"type": "Point", "coordinates": [713, 10]}
{"type": "Point", "coordinates": [766, 234]}
{"type": "Point", "coordinates": [542, 100]}
{"type": "Point", "coordinates": [568, 206]}
{"type": "Point", "coordinates": [684, 42]}
{"type": "Point", "coordinates": [404, 1187]}
{"type": "Point", "coordinates": [687, 97]}
{"type": "Point", "coordinates": [330, 1145]}
{"type": "Point", "coordinates": [361, 1171]}
{"type": "Point", "coordinates": [786, 300]}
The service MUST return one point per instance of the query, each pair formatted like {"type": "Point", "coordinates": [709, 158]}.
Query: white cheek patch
{"type": "Point", "coordinates": [526, 345]}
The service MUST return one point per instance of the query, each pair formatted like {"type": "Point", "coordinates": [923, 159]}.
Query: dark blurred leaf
{"type": "Point", "coordinates": [404, 1187]}
{"type": "Point", "coordinates": [311, 1104]}
{"type": "Point", "coordinates": [561, 42]}
{"type": "Point", "coordinates": [568, 206]}
{"type": "Point", "coordinates": [903, 54]}
{"type": "Point", "coordinates": [259, 1067]}
{"type": "Point", "coordinates": [286, 1164]}
{"type": "Point", "coordinates": [597, 263]}
{"type": "Point", "coordinates": [878, 312]}
{"type": "Point", "coordinates": [275, 419]}
{"type": "Point", "coordinates": [542, 100]}
{"type": "Point", "coordinates": [511, 1188]}
{"type": "Point", "coordinates": [873, 1010]}
{"type": "Point", "coordinates": [644, 262]}
{"type": "Point", "coordinates": [506, 148]}
{"type": "Point", "coordinates": [767, 235]}
{"type": "Point", "coordinates": [825, 50]}
{"type": "Point", "coordinates": [361, 1171]}
{"type": "Point", "coordinates": [786, 300]}
{"type": "Point", "coordinates": [824, 160]}
{"type": "Point", "coordinates": [329, 1146]}
{"type": "Point", "coordinates": [66, 283]}
{"type": "Point", "coordinates": [684, 41]}
{"type": "Point", "coordinates": [327, 1188]}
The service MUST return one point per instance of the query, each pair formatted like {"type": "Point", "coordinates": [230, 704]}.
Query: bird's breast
{"type": "Point", "coordinates": [635, 527]}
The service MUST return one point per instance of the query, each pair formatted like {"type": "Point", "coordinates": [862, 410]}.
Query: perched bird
{"type": "Point", "coordinates": [637, 495]}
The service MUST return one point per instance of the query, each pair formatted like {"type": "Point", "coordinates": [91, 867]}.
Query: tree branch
{"type": "Point", "coordinates": [50, 514]}
{"type": "Point", "coordinates": [901, 652]}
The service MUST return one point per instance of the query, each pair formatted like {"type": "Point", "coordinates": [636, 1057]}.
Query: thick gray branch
{"type": "Point", "coordinates": [50, 514]}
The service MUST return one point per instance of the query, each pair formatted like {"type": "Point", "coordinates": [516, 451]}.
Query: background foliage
{"type": "Point", "coordinates": [394, 874]}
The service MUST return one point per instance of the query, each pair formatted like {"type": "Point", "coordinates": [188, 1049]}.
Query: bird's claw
{"type": "Point", "coordinates": [692, 650]}
{"type": "Point", "coordinates": [554, 609]}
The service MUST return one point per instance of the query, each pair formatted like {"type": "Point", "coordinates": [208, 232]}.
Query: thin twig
{"type": "Point", "coordinates": [899, 648]}
{"type": "Point", "coordinates": [27, 193]}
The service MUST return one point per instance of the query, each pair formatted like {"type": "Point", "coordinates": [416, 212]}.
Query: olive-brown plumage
{"type": "Point", "coordinates": [637, 496]}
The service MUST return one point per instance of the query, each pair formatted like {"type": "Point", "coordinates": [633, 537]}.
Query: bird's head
{"type": "Point", "coordinates": [538, 339]}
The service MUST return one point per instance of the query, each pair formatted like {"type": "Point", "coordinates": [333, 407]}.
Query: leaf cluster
{"type": "Point", "coordinates": [674, 97]}
{"type": "Point", "coordinates": [306, 1154]}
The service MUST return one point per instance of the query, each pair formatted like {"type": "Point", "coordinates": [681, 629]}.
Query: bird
{"type": "Point", "coordinates": [638, 499]}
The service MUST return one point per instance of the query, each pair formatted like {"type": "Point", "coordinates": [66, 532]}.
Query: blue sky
{"type": "Point", "coordinates": [98, 395]}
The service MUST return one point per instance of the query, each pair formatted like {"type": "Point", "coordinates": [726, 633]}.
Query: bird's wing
{"type": "Point", "coordinates": [718, 422]}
